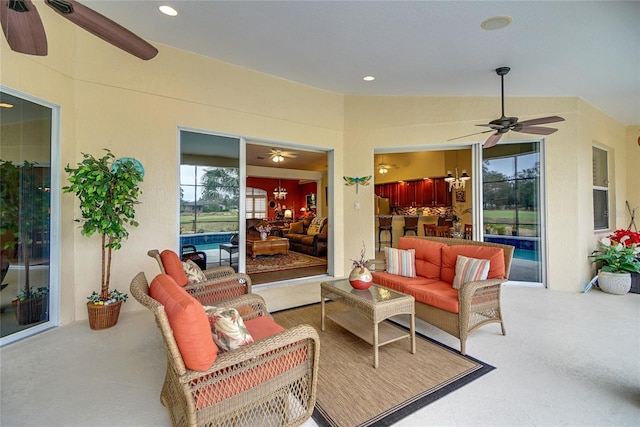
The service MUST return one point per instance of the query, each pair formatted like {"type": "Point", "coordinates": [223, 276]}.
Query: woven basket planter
{"type": "Point", "coordinates": [29, 311]}
{"type": "Point", "coordinates": [103, 316]}
{"type": "Point", "coordinates": [614, 283]}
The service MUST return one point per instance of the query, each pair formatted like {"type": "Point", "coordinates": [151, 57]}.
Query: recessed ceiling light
{"type": "Point", "coordinates": [5, 105]}
{"type": "Point", "coordinates": [368, 78]}
{"type": "Point", "coordinates": [168, 10]}
{"type": "Point", "coordinates": [496, 23]}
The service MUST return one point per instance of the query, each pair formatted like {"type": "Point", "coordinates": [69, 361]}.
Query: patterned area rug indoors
{"type": "Point", "coordinates": [351, 392]}
{"type": "Point", "coordinates": [293, 260]}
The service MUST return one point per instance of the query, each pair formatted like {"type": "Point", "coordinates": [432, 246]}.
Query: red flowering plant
{"type": "Point", "coordinates": [627, 237]}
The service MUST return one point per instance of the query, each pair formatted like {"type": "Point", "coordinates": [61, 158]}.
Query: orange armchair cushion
{"type": "Point", "coordinates": [173, 267]}
{"type": "Point", "coordinates": [188, 321]}
{"type": "Point", "coordinates": [450, 256]}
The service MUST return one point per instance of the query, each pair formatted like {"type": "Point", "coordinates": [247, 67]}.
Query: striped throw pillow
{"type": "Point", "coordinates": [401, 261]}
{"type": "Point", "coordinates": [469, 270]}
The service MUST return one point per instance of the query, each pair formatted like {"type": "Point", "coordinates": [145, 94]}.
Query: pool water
{"type": "Point", "coordinates": [207, 246]}
{"type": "Point", "coordinates": [525, 254]}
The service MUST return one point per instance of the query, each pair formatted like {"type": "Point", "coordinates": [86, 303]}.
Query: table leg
{"type": "Point", "coordinates": [413, 333]}
{"type": "Point", "coordinates": [322, 309]}
{"type": "Point", "coordinates": [375, 345]}
{"type": "Point", "coordinates": [219, 255]}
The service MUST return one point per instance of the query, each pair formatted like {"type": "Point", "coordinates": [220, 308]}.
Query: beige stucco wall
{"type": "Point", "coordinates": [110, 99]}
{"type": "Point", "coordinates": [420, 122]}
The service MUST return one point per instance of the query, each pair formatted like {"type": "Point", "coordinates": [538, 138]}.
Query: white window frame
{"type": "Point", "coordinates": [597, 214]}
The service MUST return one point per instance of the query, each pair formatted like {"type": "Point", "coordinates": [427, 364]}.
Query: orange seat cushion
{"type": "Point", "coordinates": [262, 327]}
{"type": "Point", "coordinates": [428, 256]}
{"type": "Point", "coordinates": [396, 282]}
{"type": "Point", "coordinates": [215, 390]}
{"type": "Point", "coordinates": [188, 321]}
{"type": "Point", "coordinates": [450, 257]}
{"type": "Point", "coordinates": [173, 267]}
{"type": "Point", "coordinates": [437, 294]}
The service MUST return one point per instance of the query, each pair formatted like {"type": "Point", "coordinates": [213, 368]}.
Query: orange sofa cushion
{"type": "Point", "coordinates": [173, 267]}
{"type": "Point", "coordinates": [188, 321]}
{"type": "Point", "coordinates": [437, 294]}
{"type": "Point", "coordinates": [450, 257]}
{"type": "Point", "coordinates": [396, 282]}
{"type": "Point", "coordinates": [428, 256]}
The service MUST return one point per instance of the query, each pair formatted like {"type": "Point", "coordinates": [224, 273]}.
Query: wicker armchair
{"type": "Point", "coordinates": [272, 381]}
{"type": "Point", "coordinates": [222, 282]}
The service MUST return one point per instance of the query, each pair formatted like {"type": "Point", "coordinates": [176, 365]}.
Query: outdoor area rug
{"type": "Point", "coordinates": [293, 260]}
{"type": "Point", "coordinates": [351, 392]}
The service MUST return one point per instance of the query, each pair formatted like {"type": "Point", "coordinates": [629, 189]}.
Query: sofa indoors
{"type": "Point", "coordinates": [431, 268]}
{"type": "Point", "coordinates": [308, 236]}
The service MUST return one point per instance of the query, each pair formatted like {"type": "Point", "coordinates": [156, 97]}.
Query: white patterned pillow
{"type": "Point", "coordinates": [401, 261]}
{"type": "Point", "coordinates": [227, 328]}
{"type": "Point", "coordinates": [193, 272]}
{"type": "Point", "coordinates": [470, 270]}
{"type": "Point", "coordinates": [316, 226]}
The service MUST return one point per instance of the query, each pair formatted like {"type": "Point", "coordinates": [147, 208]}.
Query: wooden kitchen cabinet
{"type": "Point", "coordinates": [420, 193]}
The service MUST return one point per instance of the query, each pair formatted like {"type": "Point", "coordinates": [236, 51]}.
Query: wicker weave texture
{"type": "Point", "coordinates": [271, 382]}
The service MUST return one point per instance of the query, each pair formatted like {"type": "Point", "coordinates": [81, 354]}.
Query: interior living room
{"type": "Point", "coordinates": [296, 87]}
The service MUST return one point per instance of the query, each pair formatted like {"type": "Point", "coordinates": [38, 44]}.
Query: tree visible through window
{"type": "Point", "coordinates": [209, 199]}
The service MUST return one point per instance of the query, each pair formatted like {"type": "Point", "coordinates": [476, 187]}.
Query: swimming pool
{"type": "Point", "coordinates": [205, 241]}
{"type": "Point", "coordinates": [526, 248]}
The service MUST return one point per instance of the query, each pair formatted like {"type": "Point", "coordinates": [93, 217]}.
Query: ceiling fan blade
{"type": "Point", "coordinates": [542, 121]}
{"type": "Point", "coordinates": [492, 140]}
{"type": "Point", "coordinates": [535, 130]}
{"type": "Point", "coordinates": [101, 26]}
{"type": "Point", "coordinates": [471, 134]}
{"type": "Point", "coordinates": [23, 27]}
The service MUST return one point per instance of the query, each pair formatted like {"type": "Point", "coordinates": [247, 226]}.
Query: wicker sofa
{"type": "Point", "coordinates": [308, 238]}
{"type": "Point", "coordinates": [457, 312]}
{"type": "Point", "coordinates": [272, 381]}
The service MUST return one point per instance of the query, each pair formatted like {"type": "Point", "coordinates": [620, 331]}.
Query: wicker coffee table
{"type": "Point", "coordinates": [272, 246]}
{"type": "Point", "coordinates": [365, 312]}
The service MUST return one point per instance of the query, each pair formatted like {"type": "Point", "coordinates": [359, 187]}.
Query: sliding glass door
{"type": "Point", "coordinates": [513, 205]}
{"type": "Point", "coordinates": [26, 295]}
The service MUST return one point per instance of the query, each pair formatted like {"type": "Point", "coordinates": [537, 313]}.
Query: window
{"type": "Point", "coordinates": [600, 189]}
{"type": "Point", "coordinates": [208, 199]}
{"type": "Point", "coordinates": [256, 203]}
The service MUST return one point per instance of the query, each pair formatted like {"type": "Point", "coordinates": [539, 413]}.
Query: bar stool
{"type": "Point", "coordinates": [384, 224]}
{"type": "Point", "coordinates": [410, 224]}
{"type": "Point", "coordinates": [429, 229]}
{"type": "Point", "coordinates": [468, 231]}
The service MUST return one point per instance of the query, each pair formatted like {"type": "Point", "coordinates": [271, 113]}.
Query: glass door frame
{"type": "Point", "coordinates": [54, 226]}
{"type": "Point", "coordinates": [478, 232]}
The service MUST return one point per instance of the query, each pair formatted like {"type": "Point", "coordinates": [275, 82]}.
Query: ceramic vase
{"type": "Point", "coordinates": [360, 278]}
{"type": "Point", "coordinates": [263, 236]}
{"type": "Point", "coordinates": [614, 283]}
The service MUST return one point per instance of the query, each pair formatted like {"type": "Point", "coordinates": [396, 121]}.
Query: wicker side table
{"type": "Point", "coordinates": [365, 312]}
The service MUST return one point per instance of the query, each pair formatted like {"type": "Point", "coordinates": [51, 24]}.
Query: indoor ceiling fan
{"type": "Point", "coordinates": [25, 33]}
{"type": "Point", "coordinates": [278, 155]}
{"type": "Point", "coordinates": [505, 124]}
{"type": "Point", "coordinates": [384, 167]}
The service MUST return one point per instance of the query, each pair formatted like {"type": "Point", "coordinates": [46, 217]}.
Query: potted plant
{"type": "Point", "coordinates": [108, 190]}
{"type": "Point", "coordinates": [24, 207]}
{"type": "Point", "coordinates": [360, 277]}
{"type": "Point", "coordinates": [618, 258]}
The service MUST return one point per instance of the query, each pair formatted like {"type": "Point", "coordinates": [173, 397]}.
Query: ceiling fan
{"type": "Point", "coordinates": [25, 33]}
{"type": "Point", "coordinates": [384, 167]}
{"type": "Point", "coordinates": [278, 155]}
{"type": "Point", "coordinates": [504, 124]}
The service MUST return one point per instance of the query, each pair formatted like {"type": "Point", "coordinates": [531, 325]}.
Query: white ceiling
{"type": "Point", "coordinates": [587, 49]}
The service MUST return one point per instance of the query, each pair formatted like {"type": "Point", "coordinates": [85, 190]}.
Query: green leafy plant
{"type": "Point", "coordinates": [617, 257]}
{"type": "Point", "coordinates": [108, 191]}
